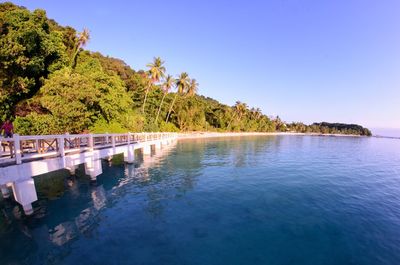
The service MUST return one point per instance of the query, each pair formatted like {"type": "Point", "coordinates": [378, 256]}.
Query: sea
{"type": "Point", "coordinates": [280, 199]}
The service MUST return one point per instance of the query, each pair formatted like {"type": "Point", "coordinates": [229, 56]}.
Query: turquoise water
{"type": "Point", "coordinates": [260, 200]}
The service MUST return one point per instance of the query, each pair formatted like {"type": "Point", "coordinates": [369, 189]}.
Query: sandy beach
{"type": "Point", "coordinates": [199, 135]}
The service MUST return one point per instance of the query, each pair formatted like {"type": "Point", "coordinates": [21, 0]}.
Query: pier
{"type": "Point", "coordinates": [24, 157]}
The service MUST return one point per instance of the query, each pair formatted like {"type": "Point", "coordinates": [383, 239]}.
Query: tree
{"type": "Point", "coordinates": [190, 114]}
{"type": "Point", "coordinates": [168, 84]}
{"type": "Point", "coordinates": [156, 72]}
{"type": "Point", "coordinates": [81, 40]}
{"type": "Point", "coordinates": [192, 87]}
{"type": "Point", "coordinates": [241, 109]}
{"type": "Point", "coordinates": [182, 84]}
{"type": "Point", "coordinates": [29, 52]}
{"type": "Point", "coordinates": [148, 86]}
{"type": "Point", "coordinates": [81, 97]}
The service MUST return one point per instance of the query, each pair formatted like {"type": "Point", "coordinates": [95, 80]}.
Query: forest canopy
{"type": "Point", "coordinates": [50, 84]}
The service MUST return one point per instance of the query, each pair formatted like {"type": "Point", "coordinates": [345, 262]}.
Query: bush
{"type": "Point", "coordinates": [37, 124]}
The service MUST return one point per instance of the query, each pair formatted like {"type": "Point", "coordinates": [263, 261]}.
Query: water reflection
{"type": "Point", "coordinates": [70, 206]}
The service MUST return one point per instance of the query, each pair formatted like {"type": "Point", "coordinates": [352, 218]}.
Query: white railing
{"type": "Point", "coordinates": [19, 149]}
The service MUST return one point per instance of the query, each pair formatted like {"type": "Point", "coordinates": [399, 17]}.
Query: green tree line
{"type": "Point", "coordinates": [50, 84]}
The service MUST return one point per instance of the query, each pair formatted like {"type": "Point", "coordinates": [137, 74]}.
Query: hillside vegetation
{"type": "Point", "coordinates": [49, 84]}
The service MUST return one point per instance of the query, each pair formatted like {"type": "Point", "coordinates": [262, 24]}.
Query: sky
{"type": "Point", "coordinates": [304, 60]}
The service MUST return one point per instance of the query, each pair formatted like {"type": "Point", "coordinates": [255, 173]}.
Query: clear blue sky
{"type": "Point", "coordinates": [306, 60]}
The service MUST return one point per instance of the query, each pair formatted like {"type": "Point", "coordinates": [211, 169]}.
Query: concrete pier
{"type": "Point", "coordinates": [36, 155]}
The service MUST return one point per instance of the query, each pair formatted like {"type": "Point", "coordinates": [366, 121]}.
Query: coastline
{"type": "Point", "coordinates": [200, 135]}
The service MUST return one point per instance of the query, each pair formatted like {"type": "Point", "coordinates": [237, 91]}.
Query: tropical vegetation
{"type": "Point", "coordinates": [50, 84]}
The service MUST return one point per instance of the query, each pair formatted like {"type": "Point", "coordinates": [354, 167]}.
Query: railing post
{"type": "Point", "coordinates": [17, 148]}
{"type": "Point", "coordinates": [61, 144]}
{"type": "Point", "coordinates": [145, 137]}
{"type": "Point", "coordinates": [90, 142]}
{"type": "Point", "coordinates": [37, 145]}
{"type": "Point", "coordinates": [113, 142]}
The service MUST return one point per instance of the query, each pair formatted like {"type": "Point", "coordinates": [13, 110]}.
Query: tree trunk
{"type": "Point", "coordinates": [229, 124]}
{"type": "Point", "coordinates": [145, 98]}
{"type": "Point", "coordinates": [159, 109]}
{"type": "Point", "coordinates": [170, 108]}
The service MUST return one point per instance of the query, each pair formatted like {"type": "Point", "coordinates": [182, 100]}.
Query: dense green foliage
{"type": "Point", "coordinates": [50, 84]}
{"type": "Point", "coordinates": [329, 128]}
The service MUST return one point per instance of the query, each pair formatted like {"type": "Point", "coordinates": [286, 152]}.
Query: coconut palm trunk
{"type": "Point", "coordinates": [170, 108]}
{"type": "Point", "coordinates": [229, 124]}
{"type": "Point", "coordinates": [159, 109]}
{"type": "Point", "coordinates": [145, 98]}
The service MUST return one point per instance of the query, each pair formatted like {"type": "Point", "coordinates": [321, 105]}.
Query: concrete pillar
{"type": "Point", "coordinates": [129, 155]}
{"type": "Point", "coordinates": [25, 193]}
{"type": "Point", "coordinates": [158, 144]}
{"type": "Point", "coordinates": [93, 167]}
{"type": "Point", "coordinates": [147, 149]}
{"type": "Point", "coordinates": [5, 191]}
{"type": "Point", "coordinates": [72, 170]}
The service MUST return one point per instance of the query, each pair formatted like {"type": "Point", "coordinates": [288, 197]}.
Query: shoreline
{"type": "Point", "coordinates": [201, 135]}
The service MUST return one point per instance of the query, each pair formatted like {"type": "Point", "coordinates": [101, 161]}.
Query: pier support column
{"type": "Point", "coordinates": [5, 191]}
{"type": "Point", "coordinates": [72, 170]}
{"type": "Point", "coordinates": [158, 145]}
{"type": "Point", "coordinates": [129, 155]}
{"type": "Point", "coordinates": [147, 149]}
{"type": "Point", "coordinates": [25, 193]}
{"type": "Point", "coordinates": [93, 167]}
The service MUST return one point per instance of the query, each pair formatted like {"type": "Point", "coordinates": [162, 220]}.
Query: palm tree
{"type": "Point", "coordinates": [236, 107]}
{"type": "Point", "coordinates": [156, 72]}
{"type": "Point", "coordinates": [192, 87]}
{"type": "Point", "coordinates": [81, 40]}
{"type": "Point", "coordinates": [167, 85]}
{"type": "Point", "coordinates": [255, 113]}
{"type": "Point", "coordinates": [258, 113]}
{"type": "Point", "coordinates": [240, 109]}
{"type": "Point", "coordinates": [182, 84]}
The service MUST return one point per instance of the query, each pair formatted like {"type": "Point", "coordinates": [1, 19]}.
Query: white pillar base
{"type": "Point", "coordinates": [93, 168]}
{"type": "Point", "coordinates": [25, 194]}
{"type": "Point", "coordinates": [5, 191]}
{"type": "Point", "coordinates": [147, 150]}
{"type": "Point", "coordinates": [72, 170]}
{"type": "Point", "coordinates": [129, 155]}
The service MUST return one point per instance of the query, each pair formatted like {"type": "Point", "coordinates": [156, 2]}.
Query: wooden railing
{"type": "Point", "coordinates": [18, 149]}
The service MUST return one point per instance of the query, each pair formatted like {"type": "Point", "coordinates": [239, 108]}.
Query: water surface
{"type": "Point", "coordinates": [249, 200]}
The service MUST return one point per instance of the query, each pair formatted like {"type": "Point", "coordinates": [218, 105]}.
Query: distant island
{"type": "Point", "coordinates": [49, 85]}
